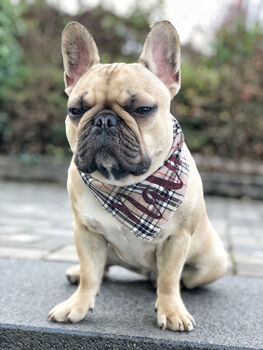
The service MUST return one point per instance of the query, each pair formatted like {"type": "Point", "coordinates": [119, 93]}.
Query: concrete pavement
{"type": "Point", "coordinates": [228, 313]}
{"type": "Point", "coordinates": [36, 247]}
{"type": "Point", "coordinates": [36, 223]}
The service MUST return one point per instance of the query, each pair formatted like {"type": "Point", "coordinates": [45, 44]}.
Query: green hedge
{"type": "Point", "coordinates": [219, 105]}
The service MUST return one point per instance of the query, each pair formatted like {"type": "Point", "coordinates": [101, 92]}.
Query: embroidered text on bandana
{"type": "Point", "coordinates": [146, 206]}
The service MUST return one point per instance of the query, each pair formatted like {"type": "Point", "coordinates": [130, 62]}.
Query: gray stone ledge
{"type": "Point", "coordinates": [32, 338]}
{"type": "Point", "coordinates": [229, 313]}
{"type": "Point", "coordinates": [220, 177]}
{"type": "Point", "coordinates": [228, 166]}
{"type": "Point", "coordinates": [39, 169]}
{"type": "Point", "coordinates": [232, 185]}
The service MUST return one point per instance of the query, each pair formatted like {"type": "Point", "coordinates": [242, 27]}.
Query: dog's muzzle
{"type": "Point", "coordinates": [107, 145]}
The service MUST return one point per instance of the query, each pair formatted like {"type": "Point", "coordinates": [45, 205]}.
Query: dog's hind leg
{"type": "Point", "coordinates": [73, 272]}
{"type": "Point", "coordinates": [207, 260]}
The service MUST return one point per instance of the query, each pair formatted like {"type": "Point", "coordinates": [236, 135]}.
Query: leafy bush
{"type": "Point", "coordinates": [35, 102]}
{"type": "Point", "coordinates": [219, 105]}
{"type": "Point", "coordinates": [11, 26]}
{"type": "Point", "coordinates": [35, 105]}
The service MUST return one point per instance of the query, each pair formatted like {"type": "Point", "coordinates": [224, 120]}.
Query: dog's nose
{"type": "Point", "coordinates": [106, 119]}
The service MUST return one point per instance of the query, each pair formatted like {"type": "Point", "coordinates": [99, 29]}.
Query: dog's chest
{"type": "Point", "coordinates": [129, 248]}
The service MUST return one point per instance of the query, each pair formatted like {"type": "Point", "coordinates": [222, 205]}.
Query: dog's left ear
{"type": "Point", "coordinates": [79, 53]}
{"type": "Point", "coordinates": [161, 55]}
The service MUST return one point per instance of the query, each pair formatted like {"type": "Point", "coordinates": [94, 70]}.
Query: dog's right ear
{"type": "Point", "coordinates": [79, 53]}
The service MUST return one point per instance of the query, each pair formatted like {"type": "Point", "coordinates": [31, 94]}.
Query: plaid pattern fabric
{"type": "Point", "coordinates": [146, 206]}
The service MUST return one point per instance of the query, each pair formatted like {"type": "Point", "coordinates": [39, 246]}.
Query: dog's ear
{"type": "Point", "coordinates": [79, 53]}
{"type": "Point", "coordinates": [161, 55]}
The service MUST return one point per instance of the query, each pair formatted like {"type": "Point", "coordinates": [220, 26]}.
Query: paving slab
{"type": "Point", "coordinates": [229, 313]}
{"type": "Point", "coordinates": [38, 217]}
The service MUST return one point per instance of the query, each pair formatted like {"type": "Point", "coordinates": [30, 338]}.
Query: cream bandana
{"type": "Point", "coordinates": [145, 207]}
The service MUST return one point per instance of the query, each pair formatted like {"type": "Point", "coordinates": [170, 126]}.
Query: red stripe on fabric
{"type": "Point", "coordinates": [103, 185]}
{"type": "Point", "coordinates": [173, 147]}
{"type": "Point", "coordinates": [158, 172]}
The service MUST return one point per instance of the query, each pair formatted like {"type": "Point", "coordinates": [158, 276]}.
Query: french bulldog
{"type": "Point", "coordinates": [122, 135]}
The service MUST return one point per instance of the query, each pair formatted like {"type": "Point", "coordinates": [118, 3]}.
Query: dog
{"type": "Point", "coordinates": [134, 188]}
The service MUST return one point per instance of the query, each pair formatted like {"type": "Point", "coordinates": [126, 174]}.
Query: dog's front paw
{"type": "Point", "coordinates": [173, 315]}
{"type": "Point", "coordinates": [71, 310]}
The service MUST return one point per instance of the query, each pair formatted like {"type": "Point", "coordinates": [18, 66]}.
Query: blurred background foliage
{"type": "Point", "coordinates": [219, 105]}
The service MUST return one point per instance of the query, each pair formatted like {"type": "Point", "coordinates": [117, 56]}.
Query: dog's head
{"type": "Point", "coordinates": [119, 125]}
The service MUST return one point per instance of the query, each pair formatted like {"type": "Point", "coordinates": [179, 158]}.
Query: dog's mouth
{"type": "Point", "coordinates": [108, 146]}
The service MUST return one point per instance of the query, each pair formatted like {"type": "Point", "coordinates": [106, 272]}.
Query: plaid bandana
{"type": "Point", "coordinates": [145, 207]}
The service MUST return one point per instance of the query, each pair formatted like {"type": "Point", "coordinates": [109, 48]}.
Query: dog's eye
{"type": "Point", "coordinates": [144, 110]}
{"type": "Point", "coordinates": [75, 112]}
